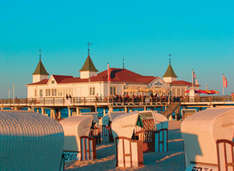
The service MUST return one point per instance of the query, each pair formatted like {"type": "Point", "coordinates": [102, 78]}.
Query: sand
{"type": "Point", "coordinates": [173, 160]}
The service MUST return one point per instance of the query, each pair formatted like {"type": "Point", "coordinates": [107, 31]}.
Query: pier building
{"type": "Point", "coordinates": [110, 82]}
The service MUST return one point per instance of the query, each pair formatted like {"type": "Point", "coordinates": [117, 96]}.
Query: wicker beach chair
{"type": "Point", "coordinates": [30, 141]}
{"type": "Point", "coordinates": [77, 139]}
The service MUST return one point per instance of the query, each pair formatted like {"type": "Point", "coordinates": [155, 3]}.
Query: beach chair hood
{"type": "Point", "coordinates": [75, 127]}
{"type": "Point", "coordinates": [201, 130]}
{"type": "Point", "coordinates": [123, 125]}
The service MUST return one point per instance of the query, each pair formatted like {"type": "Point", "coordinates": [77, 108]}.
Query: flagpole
{"type": "Point", "coordinates": [13, 93]}
{"type": "Point", "coordinates": [108, 83]}
{"type": "Point", "coordinates": [192, 80]}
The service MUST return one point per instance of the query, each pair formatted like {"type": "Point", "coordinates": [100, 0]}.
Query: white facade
{"type": "Point", "coordinates": [87, 74]}
{"type": "Point", "coordinates": [38, 77]}
{"type": "Point", "coordinates": [82, 89]}
{"type": "Point", "coordinates": [169, 79]}
{"type": "Point", "coordinates": [100, 89]}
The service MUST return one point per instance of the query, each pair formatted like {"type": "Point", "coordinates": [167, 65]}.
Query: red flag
{"type": "Point", "coordinates": [194, 75]}
{"type": "Point", "coordinates": [224, 82]}
{"type": "Point", "coordinates": [108, 72]}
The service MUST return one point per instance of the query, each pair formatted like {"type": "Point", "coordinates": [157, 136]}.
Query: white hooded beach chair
{"type": "Point", "coordinates": [30, 142]}
{"type": "Point", "coordinates": [129, 152]}
{"type": "Point", "coordinates": [201, 132]}
{"type": "Point", "coordinates": [76, 137]}
{"type": "Point", "coordinates": [152, 129]}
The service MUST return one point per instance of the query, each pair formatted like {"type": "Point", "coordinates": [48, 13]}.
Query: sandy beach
{"type": "Point", "coordinates": [173, 160]}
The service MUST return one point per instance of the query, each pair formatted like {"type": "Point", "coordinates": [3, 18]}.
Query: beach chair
{"type": "Point", "coordinates": [207, 139]}
{"type": "Point", "coordinates": [129, 150]}
{"type": "Point", "coordinates": [152, 130]}
{"type": "Point", "coordinates": [77, 139]}
{"type": "Point", "coordinates": [225, 155]}
{"type": "Point", "coordinates": [30, 141]}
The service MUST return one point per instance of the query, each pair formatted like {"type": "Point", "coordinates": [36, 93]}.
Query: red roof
{"type": "Point", "coordinates": [182, 83]}
{"type": "Point", "coordinates": [40, 82]}
{"type": "Point", "coordinates": [117, 75]}
{"type": "Point", "coordinates": [60, 78]}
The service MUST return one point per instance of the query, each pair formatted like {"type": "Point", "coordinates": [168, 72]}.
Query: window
{"type": "Point", "coordinates": [112, 90]}
{"type": "Point", "coordinates": [92, 91]}
{"type": "Point", "coordinates": [183, 92]}
{"type": "Point", "coordinates": [178, 92]}
{"type": "Point", "coordinates": [41, 93]}
{"type": "Point", "coordinates": [60, 93]}
{"type": "Point", "coordinates": [35, 93]}
{"type": "Point", "coordinates": [54, 92]}
{"type": "Point", "coordinates": [47, 92]}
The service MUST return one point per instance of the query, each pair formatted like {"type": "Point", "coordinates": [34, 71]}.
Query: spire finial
{"type": "Point", "coordinates": [89, 44]}
{"type": "Point", "coordinates": [170, 58]}
{"type": "Point", "coordinates": [40, 51]}
{"type": "Point", "coordinates": [123, 63]}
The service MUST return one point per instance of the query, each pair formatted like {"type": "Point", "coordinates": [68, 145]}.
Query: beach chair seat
{"type": "Point", "coordinates": [88, 148]}
{"type": "Point", "coordinates": [129, 152]}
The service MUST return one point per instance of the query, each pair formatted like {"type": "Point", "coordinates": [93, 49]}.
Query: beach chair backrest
{"type": "Point", "coordinates": [225, 155]}
{"type": "Point", "coordinates": [87, 148]}
{"type": "Point", "coordinates": [148, 139]}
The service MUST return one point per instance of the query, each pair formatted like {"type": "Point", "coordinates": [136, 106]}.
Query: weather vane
{"type": "Point", "coordinates": [123, 63]}
{"type": "Point", "coordinates": [40, 52]}
{"type": "Point", "coordinates": [89, 44]}
{"type": "Point", "coordinates": [169, 58]}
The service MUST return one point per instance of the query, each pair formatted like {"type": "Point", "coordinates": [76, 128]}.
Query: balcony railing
{"type": "Point", "coordinates": [117, 100]}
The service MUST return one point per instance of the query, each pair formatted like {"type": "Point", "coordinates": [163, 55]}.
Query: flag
{"type": "Point", "coordinates": [224, 82]}
{"type": "Point", "coordinates": [108, 72]}
{"type": "Point", "coordinates": [194, 75]}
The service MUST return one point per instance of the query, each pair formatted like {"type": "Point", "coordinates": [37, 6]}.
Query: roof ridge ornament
{"type": "Point", "coordinates": [40, 52]}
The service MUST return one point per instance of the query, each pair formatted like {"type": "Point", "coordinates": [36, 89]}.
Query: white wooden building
{"type": "Point", "coordinates": [92, 83]}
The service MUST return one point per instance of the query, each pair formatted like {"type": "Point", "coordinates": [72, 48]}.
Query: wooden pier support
{"type": "Point", "coordinates": [77, 111]}
{"type": "Point", "coordinates": [125, 109]}
{"type": "Point", "coordinates": [42, 110]}
{"type": "Point", "coordinates": [69, 111]}
{"type": "Point", "coordinates": [110, 109]}
{"type": "Point", "coordinates": [52, 114]}
{"type": "Point", "coordinates": [59, 114]}
{"type": "Point", "coordinates": [104, 111]}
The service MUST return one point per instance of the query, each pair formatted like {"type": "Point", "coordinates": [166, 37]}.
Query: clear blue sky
{"type": "Point", "coordinates": [199, 35]}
